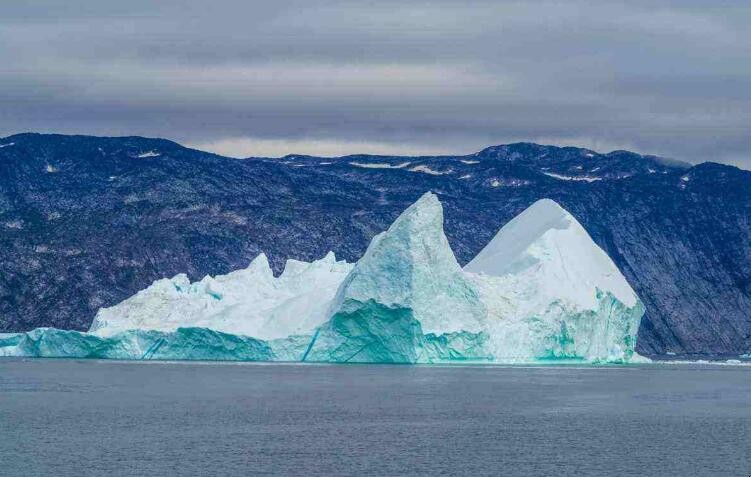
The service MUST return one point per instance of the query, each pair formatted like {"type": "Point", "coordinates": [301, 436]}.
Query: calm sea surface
{"type": "Point", "coordinates": [68, 417]}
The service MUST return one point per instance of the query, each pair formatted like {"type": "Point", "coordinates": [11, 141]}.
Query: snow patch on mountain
{"type": "Point", "coordinates": [427, 170]}
{"type": "Point", "coordinates": [379, 165]}
{"type": "Point", "coordinates": [572, 178]}
{"type": "Point", "coordinates": [14, 224]}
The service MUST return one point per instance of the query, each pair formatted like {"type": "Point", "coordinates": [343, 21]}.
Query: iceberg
{"type": "Point", "coordinates": [407, 283]}
{"type": "Point", "coordinates": [249, 302]}
{"type": "Point", "coordinates": [541, 290]}
{"type": "Point", "coordinates": [552, 293]}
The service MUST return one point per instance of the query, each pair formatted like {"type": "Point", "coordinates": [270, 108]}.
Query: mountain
{"type": "Point", "coordinates": [87, 222]}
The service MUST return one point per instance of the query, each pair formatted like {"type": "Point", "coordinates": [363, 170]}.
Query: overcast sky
{"type": "Point", "coordinates": [244, 78]}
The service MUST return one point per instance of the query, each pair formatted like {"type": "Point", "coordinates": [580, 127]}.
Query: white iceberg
{"type": "Point", "coordinates": [540, 290]}
{"type": "Point", "coordinates": [551, 292]}
{"type": "Point", "coordinates": [249, 302]}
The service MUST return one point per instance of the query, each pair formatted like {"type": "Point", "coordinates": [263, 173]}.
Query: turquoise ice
{"type": "Point", "coordinates": [407, 283]}
{"type": "Point", "coordinates": [182, 344]}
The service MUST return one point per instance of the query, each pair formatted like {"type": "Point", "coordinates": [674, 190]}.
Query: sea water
{"type": "Point", "coordinates": [90, 417]}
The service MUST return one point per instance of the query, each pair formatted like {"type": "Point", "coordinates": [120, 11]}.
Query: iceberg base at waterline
{"type": "Point", "coordinates": [541, 291]}
{"type": "Point", "coordinates": [203, 344]}
{"type": "Point", "coordinates": [181, 344]}
{"type": "Point", "coordinates": [372, 333]}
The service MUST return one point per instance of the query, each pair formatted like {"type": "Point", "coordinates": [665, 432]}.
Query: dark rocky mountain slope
{"type": "Point", "coordinates": [86, 222]}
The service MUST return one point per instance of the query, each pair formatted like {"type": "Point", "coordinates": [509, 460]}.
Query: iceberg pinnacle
{"type": "Point", "coordinates": [547, 244]}
{"type": "Point", "coordinates": [551, 292]}
{"type": "Point", "coordinates": [407, 283]}
{"type": "Point", "coordinates": [411, 265]}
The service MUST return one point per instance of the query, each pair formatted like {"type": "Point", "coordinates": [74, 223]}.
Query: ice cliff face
{"type": "Point", "coordinates": [540, 290]}
{"type": "Point", "coordinates": [181, 344]}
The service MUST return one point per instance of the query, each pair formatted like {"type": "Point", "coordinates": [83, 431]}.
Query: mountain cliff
{"type": "Point", "coordinates": [88, 221]}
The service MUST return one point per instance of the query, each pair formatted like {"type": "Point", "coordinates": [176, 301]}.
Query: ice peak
{"type": "Point", "coordinates": [425, 216]}
{"type": "Point", "coordinates": [259, 267]}
{"type": "Point", "coordinates": [547, 213]}
{"type": "Point", "coordinates": [546, 242]}
{"type": "Point", "coordinates": [500, 254]}
{"type": "Point", "coordinates": [548, 206]}
{"type": "Point", "coordinates": [261, 262]}
{"type": "Point", "coordinates": [411, 265]}
{"type": "Point", "coordinates": [428, 203]}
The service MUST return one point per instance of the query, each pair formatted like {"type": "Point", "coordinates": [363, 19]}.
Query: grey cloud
{"type": "Point", "coordinates": [666, 77]}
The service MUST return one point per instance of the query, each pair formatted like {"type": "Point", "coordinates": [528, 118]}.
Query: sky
{"type": "Point", "coordinates": [250, 78]}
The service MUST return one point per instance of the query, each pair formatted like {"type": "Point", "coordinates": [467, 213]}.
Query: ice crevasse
{"type": "Point", "coordinates": [541, 290]}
